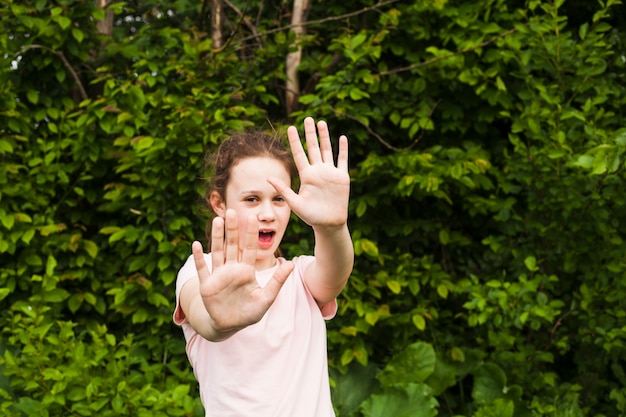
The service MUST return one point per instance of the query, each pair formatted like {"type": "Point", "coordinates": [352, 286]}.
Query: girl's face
{"type": "Point", "coordinates": [249, 193]}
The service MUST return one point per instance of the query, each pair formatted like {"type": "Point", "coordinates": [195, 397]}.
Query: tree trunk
{"type": "Point", "coordinates": [105, 26]}
{"type": "Point", "coordinates": [292, 90]}
{"type": "Point", "coordinates": [216, 23]}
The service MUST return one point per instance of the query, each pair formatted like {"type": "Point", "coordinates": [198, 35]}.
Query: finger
{"type": "Point", "coordinates": [217, 242]}
{"type": "Point", "coordinates": [278, 279]}
{"type": "Point", "coordinates": [342, 157]}
{"type": "Point", "coordinates": [232, 236]}
{"type": "Point", "coordinates": [312, 146]}
{"type": "Point", "coordinates": [326, 149]}
{"type": "Point", "coordinates": [299, 157]}
{"type": "Point", "coordinates": [251, 241]}
{"type": "Point", "coordinates": [198, 258]}
{"type": "Point", "coordinates": [284, 190]}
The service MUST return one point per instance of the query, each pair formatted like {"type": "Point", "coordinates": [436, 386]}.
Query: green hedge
{"type": "Point", "coordinates": [487, 143]}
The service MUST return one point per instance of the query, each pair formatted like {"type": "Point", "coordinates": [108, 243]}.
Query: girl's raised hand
{"type": "Point", "coordinates": [322, 199]}
{"type": "Point", "coordinates": [230, 293]}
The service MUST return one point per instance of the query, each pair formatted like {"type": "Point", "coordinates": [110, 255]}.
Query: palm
{"type": "Point", "coordinates": [323, 195]}
{"type": "Point", "coordinates": [230, 293]}
{"type": "Point", "coordinates": [232, 297]}
{"type": "Point", "coordinates": [322, 199]}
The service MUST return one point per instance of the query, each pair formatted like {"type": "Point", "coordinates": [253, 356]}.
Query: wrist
{"type": "Point", "coordinates": [330, 229]}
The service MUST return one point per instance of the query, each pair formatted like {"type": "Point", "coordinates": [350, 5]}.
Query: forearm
{"type": "Point", "coordinates": [334, 259]}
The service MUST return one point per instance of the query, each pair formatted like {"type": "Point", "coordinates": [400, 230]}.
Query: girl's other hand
{"type": "Point", "coordinates": [322, 200]}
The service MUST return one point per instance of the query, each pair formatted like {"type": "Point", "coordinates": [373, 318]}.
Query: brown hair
{"type": "Point", "coordinates": [238, 146]}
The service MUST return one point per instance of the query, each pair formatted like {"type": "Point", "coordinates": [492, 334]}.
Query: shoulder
{"type": "Point", "coordinates": [301, 263]}
{"type": "Point", "coordinates": [329, 309]}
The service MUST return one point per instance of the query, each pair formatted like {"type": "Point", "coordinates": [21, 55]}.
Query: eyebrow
{"type": "Point", "coordinates": [245, 192]}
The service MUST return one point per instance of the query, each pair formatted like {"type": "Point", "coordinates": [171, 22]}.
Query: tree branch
{"type": "Point", "coordinates": [380, 138]}
{"type": "Point", "coordinates": [324, 20]}
{"type": "Point", "coordinates": [441, 58]}
{"type": "Point", "coordinates": [69, 67]}
{"type": "Point", "coordinates": [244, 19]}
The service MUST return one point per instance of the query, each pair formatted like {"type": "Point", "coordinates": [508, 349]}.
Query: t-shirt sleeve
{"type": "Point", "coordinates": [186, 273]}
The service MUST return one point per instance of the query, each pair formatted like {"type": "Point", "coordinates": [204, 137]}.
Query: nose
{"type": "Point", "coordinates": [266, 212]}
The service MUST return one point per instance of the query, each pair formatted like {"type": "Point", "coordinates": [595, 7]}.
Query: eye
{"type": "Point", "coordinates": [279, 198]}
{"type": "Point", "coordinates": [250, 199]}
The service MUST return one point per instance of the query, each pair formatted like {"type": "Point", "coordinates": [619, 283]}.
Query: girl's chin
{"type": "Point", "coordinates": [266, 257]}
{"type": "Point", "coordinates": [262, 264]}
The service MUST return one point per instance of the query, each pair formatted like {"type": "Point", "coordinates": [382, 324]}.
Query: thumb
{"type": "Point", "coordinates": [278, 279]}
{"type": "Point", "coordinates": [201, 266]}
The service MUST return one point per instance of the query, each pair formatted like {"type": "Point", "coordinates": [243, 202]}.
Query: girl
{"type": "Point", "coordinates": [254, 322]}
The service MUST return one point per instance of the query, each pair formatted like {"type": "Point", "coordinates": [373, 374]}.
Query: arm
{"type": "Point", "coordinates": [322, 203]}
{"type": "Point", "coordinates": [334, 258]}
{"type": "Point", "coordinates": [220, 303]}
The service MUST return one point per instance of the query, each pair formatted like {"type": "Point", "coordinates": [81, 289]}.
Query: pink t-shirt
{"type": "Point", "coordinates": [276, 367]}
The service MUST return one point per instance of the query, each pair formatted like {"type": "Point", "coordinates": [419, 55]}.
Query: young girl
{"type": "Point", "coordinates": [254, 322]}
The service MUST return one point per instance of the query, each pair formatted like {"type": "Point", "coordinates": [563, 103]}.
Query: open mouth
{"type": "Point", "coordinates": [266, 236]}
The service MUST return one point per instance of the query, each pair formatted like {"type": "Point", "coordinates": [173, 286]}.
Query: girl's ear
{"type": "Point", "coordinates": [217, 204]}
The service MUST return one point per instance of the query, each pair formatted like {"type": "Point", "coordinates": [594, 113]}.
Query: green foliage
{"type": "Point", "coordinates": [486, 198]}
{"type": "Point", "coordinates": [487, 148]}
{"type": "Point", "coordinates": [63, 372]}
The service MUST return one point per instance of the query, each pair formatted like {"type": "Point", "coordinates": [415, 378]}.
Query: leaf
{"type": "Point", "coordinates": [23, 217]}
{"type": "Point", "coordinates": [412, 400]}
{"type": "Point", "coordinates": [620, 137]}
{"type": "Point", "coordinates": [531, 263]}
{"type": "Point", "coordinates": [499, 408]}
{"type": "Point", "coordinates": [157, 299]}
{"type": "Point", "coordinates": [582, 31]}
{"type": "Point", "coordinates": [32, 96]}
{"type": "Point", "coordinates": [442, 290]}
{"type": "Point", "coordinates": [353, 387]}
{"type": "Point", "coordinates": [5, 146]}
{"type": "Point", "coordinates": [63, 21]}
{"type": "Point", "coordinates": [361, 208]}
{"type": "Point", "coordinates": [55, 296]}
{"type": "Point", "coordinates": [52, 228]}
{"type": "Point", "coordinates": [444, 237]}
{"type": "Point", "coordinates": [164, 263]}
{"type": "Point", "coordinates": [443, 377]}
{"type": "Point", "coordinates": [412, 365]}
{"type": "Point", "coordinates": [419, 321]}
{"type": "Point", "coordinates": [142, 142]}
{"type": "Point", "coordinates": [78, 34]}
{"type": "Point", "coordinates": [500, 84]}
{"type": "Point", "coordinates": [599, 164]}
{"type": "Point", "coordinates": [357, 40]}
{"type": "Point", "coordinates": [51, 264]}
{"type": "Point", "coordinates": [117, 235]}
{"type": "Point", "coordinates": [367, 246]}
{"type": "Point", "coordinates": [109, 230]}
{"type": "Point", "coordinates": [7, 220]}
{"type": "Point", "coordinates": [90, 247]}
{"type": "Point", "coordinates": [489, 383]}
{"type": "Point", "coordinates": [584, 161]}
{"type": "Point", "coordinates": [74, 302]}
{"type": "Point", "coordinates": [394, 286]}
{"type": "Point", "coordinates": [371, 318]}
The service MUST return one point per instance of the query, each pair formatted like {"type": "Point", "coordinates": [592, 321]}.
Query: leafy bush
{"type": "Point", "coordinates": [487, 143]}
